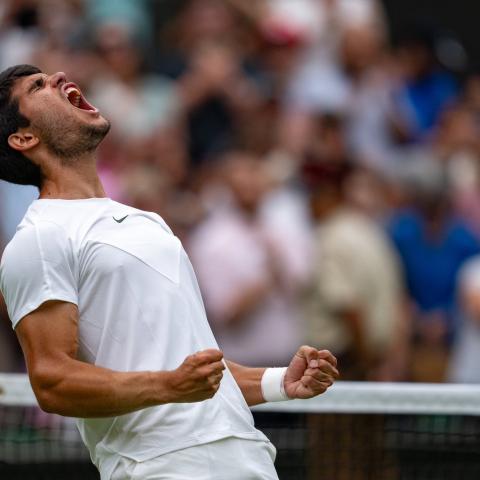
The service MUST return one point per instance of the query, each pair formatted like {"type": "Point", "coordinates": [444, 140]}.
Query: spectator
{"type": "Point", "coordinates": [433, 245]}
{"type": "Point", "coordinates": [135, 15]}
{"type": "Point", "coordinates": [19, 31]}
{"type": "Point", "coordinates": [354, 302]}
{"type": "Point", "coordinates": [217, 80]}
{"type": "Point", "coordinates": [427, 89]}
{"type": "Point", "coordinates": [250, 269]}
{"type": "Point", "coordinates": [345, 74]}
{"type": "Point", "coordinates": [308, 86]}
{"type": "Point", "coordinates": [137, 103]}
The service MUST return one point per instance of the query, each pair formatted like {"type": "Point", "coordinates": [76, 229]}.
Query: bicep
{"type": "Point", "coordinates": [48, 336]}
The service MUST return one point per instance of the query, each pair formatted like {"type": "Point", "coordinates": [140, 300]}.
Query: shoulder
{"type": "Point", "coordinates": [33, 240]}
{"type": "Point", "coordinates": [463, 236]}
{"type": "Point", "coordinates": [153, 216]}
{"type": "Point", "coordinates": [40, 229]}
{"type": "Point", "coordinates": [37, 265]}
{"type": "Point", "coordinates": [404, 225]}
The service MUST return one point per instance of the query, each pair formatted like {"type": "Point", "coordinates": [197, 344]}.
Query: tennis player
{"type": "Point", "coordinates": [108, 312]}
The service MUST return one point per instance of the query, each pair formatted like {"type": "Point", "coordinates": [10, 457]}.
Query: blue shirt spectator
{"type": "Point", "coordinates": [425, 98]}
{"type": "Point", "coordinates": [431, 262]}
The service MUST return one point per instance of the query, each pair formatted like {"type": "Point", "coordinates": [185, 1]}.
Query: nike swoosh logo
{"type": "Point", "coordinates": [120, 220]}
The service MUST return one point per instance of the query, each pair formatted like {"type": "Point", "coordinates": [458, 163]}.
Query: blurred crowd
{"type": "Point", "coordinates": [324, 180]}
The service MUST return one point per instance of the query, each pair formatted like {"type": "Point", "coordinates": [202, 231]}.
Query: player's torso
{"type": "Point", "coordinates": [140, 308]}
{"type": "Point", "coordinates": [138, 299]}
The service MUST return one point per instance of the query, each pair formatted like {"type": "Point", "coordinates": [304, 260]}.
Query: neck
{"type": "Point", "coordinates": [72, 181]}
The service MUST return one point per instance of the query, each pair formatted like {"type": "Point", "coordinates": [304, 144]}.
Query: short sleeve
{"type": "Point", "coordinates": [38, 265]}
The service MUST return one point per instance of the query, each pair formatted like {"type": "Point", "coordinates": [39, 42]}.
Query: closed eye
{"type": "Point", "coordinates": [37, 84]}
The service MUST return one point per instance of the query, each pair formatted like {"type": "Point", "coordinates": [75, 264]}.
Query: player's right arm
{"type": "Point", "coordinates": [39, 280]}
{"type": "Point", "coordinates": [67, 386]}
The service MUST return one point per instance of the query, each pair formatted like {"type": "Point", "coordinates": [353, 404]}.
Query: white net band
{"type": "Point", "coordinates": [343, 397]}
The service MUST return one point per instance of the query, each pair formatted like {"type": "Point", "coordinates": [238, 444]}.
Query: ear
{"type": "Point", "coordinates": [23, 141]}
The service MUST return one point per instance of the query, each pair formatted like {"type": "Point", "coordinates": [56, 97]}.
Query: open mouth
{"type": "Point", "coordinates": [76, 98]}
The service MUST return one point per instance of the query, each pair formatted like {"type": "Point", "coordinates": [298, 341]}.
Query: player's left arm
{"type": "Point", "coordinates": [309, 374]}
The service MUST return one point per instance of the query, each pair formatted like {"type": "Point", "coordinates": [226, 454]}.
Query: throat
{"type": "Point", "coordinates": [72, 179]}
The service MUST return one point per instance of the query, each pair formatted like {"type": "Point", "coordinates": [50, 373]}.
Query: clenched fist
{"type": "Point", "coordinates": [198, 377]}
{"type": "Point", "coordinates": [310, 373]}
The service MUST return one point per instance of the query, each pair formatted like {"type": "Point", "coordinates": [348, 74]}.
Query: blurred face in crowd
{"type": "Point", "coordinates": [246, 179]}
{"type": "Point", "coordinates": [328, 144]}
{"type": "Point", "coordinates": [363, 190]}
{"type": "Point", "coordinates": [360, 48]}
{"type": "Point", "coordinates": [458, 130]}
{"type": "Point", "coordinates": [416, 59]}
{"type": "Point", "coordinates": [207, 20]}
{"type": "Point", "coordinates": [118, 51]}
{"type": "Point", "coordinates": [60, 116]}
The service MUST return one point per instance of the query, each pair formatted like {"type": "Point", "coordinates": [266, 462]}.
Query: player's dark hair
{"type": "Point", "coordinates": [14, 166]}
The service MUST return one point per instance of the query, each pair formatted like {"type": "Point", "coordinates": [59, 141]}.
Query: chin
{"type": "Point", "coordinates": [101, 127]}
{"type": "Point", "coordinates": [102, 121]}
{"type": "Point", "coordinates": [90, 135]}
{"type": "Point", "coordinates": [98, 123]}
{"type": "Point", "coordinates": [106, 125]}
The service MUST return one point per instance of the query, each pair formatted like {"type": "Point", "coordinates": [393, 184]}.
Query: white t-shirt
{"type": "Point", "coordinates": [140, 309]}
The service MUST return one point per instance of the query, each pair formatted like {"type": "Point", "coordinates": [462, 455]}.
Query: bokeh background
{"type": "Point", "coordinates": [319, 160]}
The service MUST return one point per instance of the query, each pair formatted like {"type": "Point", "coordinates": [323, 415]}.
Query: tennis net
{"type": "Point", "coordinates": [356, 431]}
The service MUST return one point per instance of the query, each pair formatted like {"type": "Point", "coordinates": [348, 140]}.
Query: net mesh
{"type": "Point", "coordinates": [374, 446]}
{"type": "Point", "coordinates": [35, 445]}
{"type": "Point", "coordinates": [353, 432]}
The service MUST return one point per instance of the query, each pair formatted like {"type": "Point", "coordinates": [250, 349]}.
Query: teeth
{"type": "Point", "coordinates": [74, 96]}
{"type": "Point", "coordinates": [70, 90]}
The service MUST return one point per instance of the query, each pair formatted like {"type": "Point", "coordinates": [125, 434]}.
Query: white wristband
{"type": "Point", "coordinates": [272, 385]}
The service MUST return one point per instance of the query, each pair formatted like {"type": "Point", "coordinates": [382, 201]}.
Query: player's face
{"type": "Point", "coordinates": [59, 112]}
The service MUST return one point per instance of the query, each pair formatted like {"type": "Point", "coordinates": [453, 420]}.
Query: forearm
{"type": "Point", "coordinates": [249, 381]}
{"type": "Point", "coordinates": [79, 389]}
{"type": "Point", "coordinates": [67, 386]}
